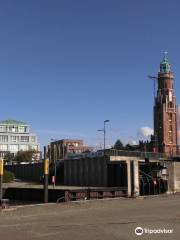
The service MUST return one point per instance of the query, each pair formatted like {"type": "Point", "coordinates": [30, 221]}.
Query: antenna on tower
{"type": "Point", "coordinates": [155, 81]}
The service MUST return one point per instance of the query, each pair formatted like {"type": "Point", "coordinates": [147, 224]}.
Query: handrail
{"type": "Point", "coordinates": [115, 152]}
{"type": "Point", "coordinates": [140, 154]}
{"type": "Point", "coordinates": [146, 174]}
{"type": "Point", "coordinates": [59, 199]}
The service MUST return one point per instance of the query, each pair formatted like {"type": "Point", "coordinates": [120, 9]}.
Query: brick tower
{"type": "Point", "coordinates": [165, 112]}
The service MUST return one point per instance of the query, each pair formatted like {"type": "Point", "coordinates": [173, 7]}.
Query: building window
{"type": "Point", "coordinates": [170, 105]}
{"type": "Point", "coordinates": [170, 128]}
{"type": "Point", "coordinates": [24, 139]}
{"type": "Point", "coordinates": [13, 147]}
{"type": "Point", "coordinates": [14, 138]}
{"type": "Point", "coordinates": [23, 147]}
{"type": "Point", "coordinates": [170, 137]}
{"type": "Point", "coordinates": [12, 129]}
{"type": "Point", "coordinates": [3, 147]}
{"type": "Point", "coordinates": [33, 147]}
{"type": "Point", "coordinates": [3, 129]}
{"type": "Point", "coordinates": [21, 129]}
{"type": "Point", "coordinates": [3, 138]}
{"type": "Point", "coordinates": [33, 139]}
{"type": "Point", "coordinates": [170, 117]}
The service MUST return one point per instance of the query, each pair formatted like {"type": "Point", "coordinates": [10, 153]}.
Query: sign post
{"type": "Point", "coordinates": [46, 178]}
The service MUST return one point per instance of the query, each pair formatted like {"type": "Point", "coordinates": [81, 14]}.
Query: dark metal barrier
{"type": "Point", "coordinates": [27, 172]}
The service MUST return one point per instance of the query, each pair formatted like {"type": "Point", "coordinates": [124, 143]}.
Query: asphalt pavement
{"type": "Point", "coordinates": [116, 219]}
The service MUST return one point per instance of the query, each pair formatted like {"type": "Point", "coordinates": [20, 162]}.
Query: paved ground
{"type": "Point", "coordinates": [40, 186]}
{"type": "Point", "coordinates": [103, 219]}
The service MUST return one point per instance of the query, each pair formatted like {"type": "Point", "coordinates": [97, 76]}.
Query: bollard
{"type": "Point", "coordinates": [53, 181]}
{"type": "Point", "coordinates": [88, 194]}
{"type": "Point", "coordinates": [46, 178]}
{"type": "Point", "coordinates": [1, 179]}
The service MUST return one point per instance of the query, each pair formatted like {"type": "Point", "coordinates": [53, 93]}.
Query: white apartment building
{"type": "Point", "coordinates": [15, 136]}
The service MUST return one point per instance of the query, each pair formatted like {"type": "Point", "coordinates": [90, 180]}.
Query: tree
{"type": "Point", "coordinates": [8, 176]}
{"type": "Point", "coordinates": [129, 147]}
{"type": "Point", "coordinates": [118, 145]}
{"type": "Point", "coordinates": [24, 156]}
{"type": "Point", "coordinates": [8, 157]}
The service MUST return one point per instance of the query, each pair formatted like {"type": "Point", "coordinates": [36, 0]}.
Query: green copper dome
{"type": "Point", "coordinates": [165, 67]}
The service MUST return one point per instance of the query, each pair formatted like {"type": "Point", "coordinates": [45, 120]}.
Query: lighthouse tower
{"type": "Point", "coordinates": [165, 111]}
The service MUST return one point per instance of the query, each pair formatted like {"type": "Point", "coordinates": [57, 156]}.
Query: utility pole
{"type": "Point", "coordinates": [1, 179]}
{"type": "Point", "coordinates": [155, 79]}
{"type": "Point", "coordinates": [104, 131]}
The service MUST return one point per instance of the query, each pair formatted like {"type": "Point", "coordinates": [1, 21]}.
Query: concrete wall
{"type": "Point", "coordinates": [135, 191]}
{"type": "Point", "coordinates": [132, 169]}
{"type": "Point", "coordinates": [173, 169]}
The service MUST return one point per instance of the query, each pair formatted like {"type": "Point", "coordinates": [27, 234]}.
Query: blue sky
{"type": "Point", "coordinates": [66, 65]}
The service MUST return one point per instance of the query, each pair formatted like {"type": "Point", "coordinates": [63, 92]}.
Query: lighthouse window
{"type": "Point", "coordinates": [170, 104]}
{"type": "Point", "coordinates": [170, 137]}
{"type": "Point", "coordinates": [170, 128]}
{"type": "Point", "coordinates": [170, 117]}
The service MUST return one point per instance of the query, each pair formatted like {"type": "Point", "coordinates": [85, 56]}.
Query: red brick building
{"type": "Point", "coordinates": [165, 112]}
{"type": "Point", "coordinates": [60, 149]}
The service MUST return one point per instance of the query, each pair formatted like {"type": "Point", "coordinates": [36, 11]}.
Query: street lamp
{"type": "Point", "coordinates": [104, 131]}
{"type": "Point", "coordinates": [156, 143]}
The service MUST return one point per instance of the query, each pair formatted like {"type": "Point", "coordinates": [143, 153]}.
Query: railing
{"type": "Point", "coordinates": [114, 152]}
{"type": "Point", "coordinates": [151, 185]}
{"type": "Point", "coordinates": [141, 155]}
{"type": "Point", "coordinates": [93, 193]}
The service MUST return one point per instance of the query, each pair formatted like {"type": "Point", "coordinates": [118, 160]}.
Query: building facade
{"type": "Point", "coordinates": [60, 149]}
{"type": "Point", "coordinates": [15, 136]}
{"type": "Point", "coordinates": [165, 112]}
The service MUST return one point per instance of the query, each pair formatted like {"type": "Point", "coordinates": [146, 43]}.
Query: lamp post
{"type": "Point", "coordinates": [156, 142]}
{"type": "Point", "coordinates": [104, 131]}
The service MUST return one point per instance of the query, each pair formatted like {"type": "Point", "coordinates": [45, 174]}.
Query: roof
{"type": "Point", "coordinates": [66, 140]}
{"type": "Point", "coordinates": [12, 122]}
{"type": "Point", "coordinates": [71, 140]}
{"type": "Point", "coordinates": [165, 66]}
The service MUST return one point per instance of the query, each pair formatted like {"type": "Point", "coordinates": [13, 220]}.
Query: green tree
{"type": "Point", "coordinates": [128, 147]}
{"type": "Point", "coordinates": [9, 157]}
{"type": "Point", "coordinates": [24, 156]}
{"type": "Point", "coordinates": [118, 145]}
